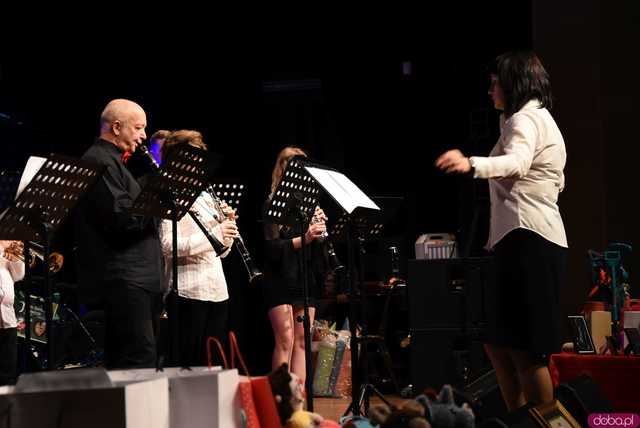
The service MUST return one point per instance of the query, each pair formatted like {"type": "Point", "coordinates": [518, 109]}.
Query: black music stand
{"type": "Point", "coordinates": [357, 229]}
{"type": "Point", "coordinates": [293, 204]}
{"type": "Point", "coordinates": [230, 191]}
{"type": "Point", "coordinates": [169, 194]}
{"type": "Point", "coordinates": [360, 228]}
{"type": "Point", "coordinates": [40, 209]}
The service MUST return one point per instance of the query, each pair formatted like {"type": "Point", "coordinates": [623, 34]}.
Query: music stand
{"type": "Point", "coordinates": [230, 191]}
{"type": "Point", "coordinates": [41, 207]}
{"type": "Point", "coordinates": [359, 228]}
{"type": "Point", "coordinates": [362, 220]}
{"type": "Point", "coordinates": [169, 194]}
{"type": "Point", "coordinates": [362, 229]}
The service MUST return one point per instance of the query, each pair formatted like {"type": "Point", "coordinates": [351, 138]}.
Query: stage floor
{"type": "Point", "coordinates": [334, 408]}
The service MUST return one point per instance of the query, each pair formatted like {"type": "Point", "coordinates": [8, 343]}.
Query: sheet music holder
{"type": "Point", "coordinates": [343, 191]}
{"type": "Point", "coordinates": [231, 191]}
{"type": "Point", "coordinates": [296, 193]}
{"type": "Point", "coordinates": [169, 194]}
{"type": "Point", "coordinates": [49, 190]}
{"type": "Point", "coordinates": [362, 220]}
{"type": "Point", "coordinates": [175, 186]}
{"type": "Point", "coordinates": [368, 227]}
{"type": "Point", "coordinates": [9, 181]}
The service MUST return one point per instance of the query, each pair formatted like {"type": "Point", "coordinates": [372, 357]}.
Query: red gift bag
{"type": "Point", "coordinates": [256, 397]}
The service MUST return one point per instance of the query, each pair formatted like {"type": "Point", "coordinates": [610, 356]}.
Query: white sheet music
{"type": "Point", "coordinates": [30, 170]}
{"type": "Point", "coordinates": [344, 191]}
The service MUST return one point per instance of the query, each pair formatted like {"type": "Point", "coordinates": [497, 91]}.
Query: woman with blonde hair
{"type": "Point", "coordinates": [283, 278]}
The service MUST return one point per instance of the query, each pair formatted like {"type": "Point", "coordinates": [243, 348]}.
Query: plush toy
{"type": "Point", "coordinates": [409, 415]}
{"type": "Point", "coordinates": [443, 412]}
{"type": "Point", "coordinates": [425, 412]}
{"type": "Point", "coordinates": [287, 391]}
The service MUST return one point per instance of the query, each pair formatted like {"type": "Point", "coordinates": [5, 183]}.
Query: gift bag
{"type": "Point", "coordinates": [324, 364]}
{"type": "Point", "coordinates": [256, 398]}
{"type": "Point", "coordinates": [341, 345]}
{"type": "Point", "coordinates": [204, 397]}
{"type": "Point", "coordinates": [343, 381]}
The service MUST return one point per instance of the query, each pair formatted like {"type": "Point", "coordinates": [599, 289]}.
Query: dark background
{"type": "Point", "coordinates": [336, 87]}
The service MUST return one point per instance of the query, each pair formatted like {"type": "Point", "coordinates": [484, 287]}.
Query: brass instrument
{"type": "Point", "coordinates": [36, 251]}
{"type": "Point", "coordinates": [218, 246]}
{"type": "Point", "coordinates": [252, 269]}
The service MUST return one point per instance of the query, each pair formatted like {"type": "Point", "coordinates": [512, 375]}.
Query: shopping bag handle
{"type": "Point", "coordinates": [220, 349]}
{"type": "Point", "coordinates": [235, 349]}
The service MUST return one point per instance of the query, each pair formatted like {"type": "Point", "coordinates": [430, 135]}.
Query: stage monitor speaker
{"type": "Point", "coordinates": [448, 292]}
{"type": "Point", "coordinates": [582, 397]}
{"type": "Point", "coordinates": [483, 395]}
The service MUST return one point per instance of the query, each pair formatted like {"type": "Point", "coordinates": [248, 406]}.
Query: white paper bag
{"type": "Point", "coordinates": [199, 397]}
{"type": "Point", "coordinates": [135, 404]}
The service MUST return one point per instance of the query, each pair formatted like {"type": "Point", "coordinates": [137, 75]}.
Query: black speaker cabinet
{"type": "Point", "coordinates": [448, 292]}
{"type": "Point", "coordinates": [446, 355]}
{"type": "Point", "coordinates": [446, 319]}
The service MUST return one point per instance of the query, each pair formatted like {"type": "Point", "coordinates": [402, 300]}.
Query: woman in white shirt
{"type": "Point", "coordinates": [202, 300]}
{"type": "Point", "coordinates": [11, 270]}
{"type": "Point", "coordinates": [525, 173]}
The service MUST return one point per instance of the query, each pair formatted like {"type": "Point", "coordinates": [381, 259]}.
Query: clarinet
{"type": "Point", "coordinates": [253, 271]}
{"type": "Point", "coordinates": [218, 246]}
{"type": "Point", "coordinates": [334, 262]}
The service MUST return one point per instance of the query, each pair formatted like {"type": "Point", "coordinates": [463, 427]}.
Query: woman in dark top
{"type": "Point", "coordinates": [283, 282]}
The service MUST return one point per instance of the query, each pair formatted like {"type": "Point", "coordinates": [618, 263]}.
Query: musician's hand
{"type": "Point", "coordinates": [229, 212]}
{"type": "Point", "coordinates": [453, 161]}
{"type": "Point", "coordinates": [315, 231]}
{"type": "Point", "coordinates": [320, 215]}
{"type": "Point", "coordinates": [11, 250]}
{"type": "Point", "coordinates": [229, 231]}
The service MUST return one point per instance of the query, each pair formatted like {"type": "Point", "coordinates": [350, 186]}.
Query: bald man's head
{"type": "Point", "coordinates": [118, 109]}
{"type": "Point", "coordinates": [123, 123]}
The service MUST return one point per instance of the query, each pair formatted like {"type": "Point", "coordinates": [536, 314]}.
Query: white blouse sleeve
{"type": "Point", "coordinates": [189, 245]}
{"type": "Point", "coordinates": [518, 146]}
{"type": "Point", "coordinates": [16, 269]}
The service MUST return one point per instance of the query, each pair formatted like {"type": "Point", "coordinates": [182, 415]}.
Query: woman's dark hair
{"type": "Point", "coordinates": [522, 79]}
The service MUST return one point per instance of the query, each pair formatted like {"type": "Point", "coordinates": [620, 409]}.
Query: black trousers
{"type": "Point", "coordinates": [8, 355]}
{"type": "Point", "coordinates": [132, 316]}
{"type": "Point", "coordinates": [197, 321]}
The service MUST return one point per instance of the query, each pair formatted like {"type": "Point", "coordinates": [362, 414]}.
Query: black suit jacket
{"type": "Point", "coordinates": [114, 247]}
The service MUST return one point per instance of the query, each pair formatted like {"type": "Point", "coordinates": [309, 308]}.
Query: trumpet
{"type": "Point", "coordinates": [36, 251]}
{"type": "Point", "coordinates": [252, 269]}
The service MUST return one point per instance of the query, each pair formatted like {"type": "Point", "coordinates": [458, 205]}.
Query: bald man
{"type": "Point", "coordinates": [119, 256]}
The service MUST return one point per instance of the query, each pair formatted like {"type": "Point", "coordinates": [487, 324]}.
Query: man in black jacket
{"type": "Point", "coordinates": [119, 254]}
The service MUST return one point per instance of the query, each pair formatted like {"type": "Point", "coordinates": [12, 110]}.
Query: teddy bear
{"type": "Point", "coordinates": [289, 397]}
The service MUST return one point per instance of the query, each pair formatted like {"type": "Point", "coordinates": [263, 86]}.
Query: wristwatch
{"type": "Point", "coordinates": [472, 162]}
